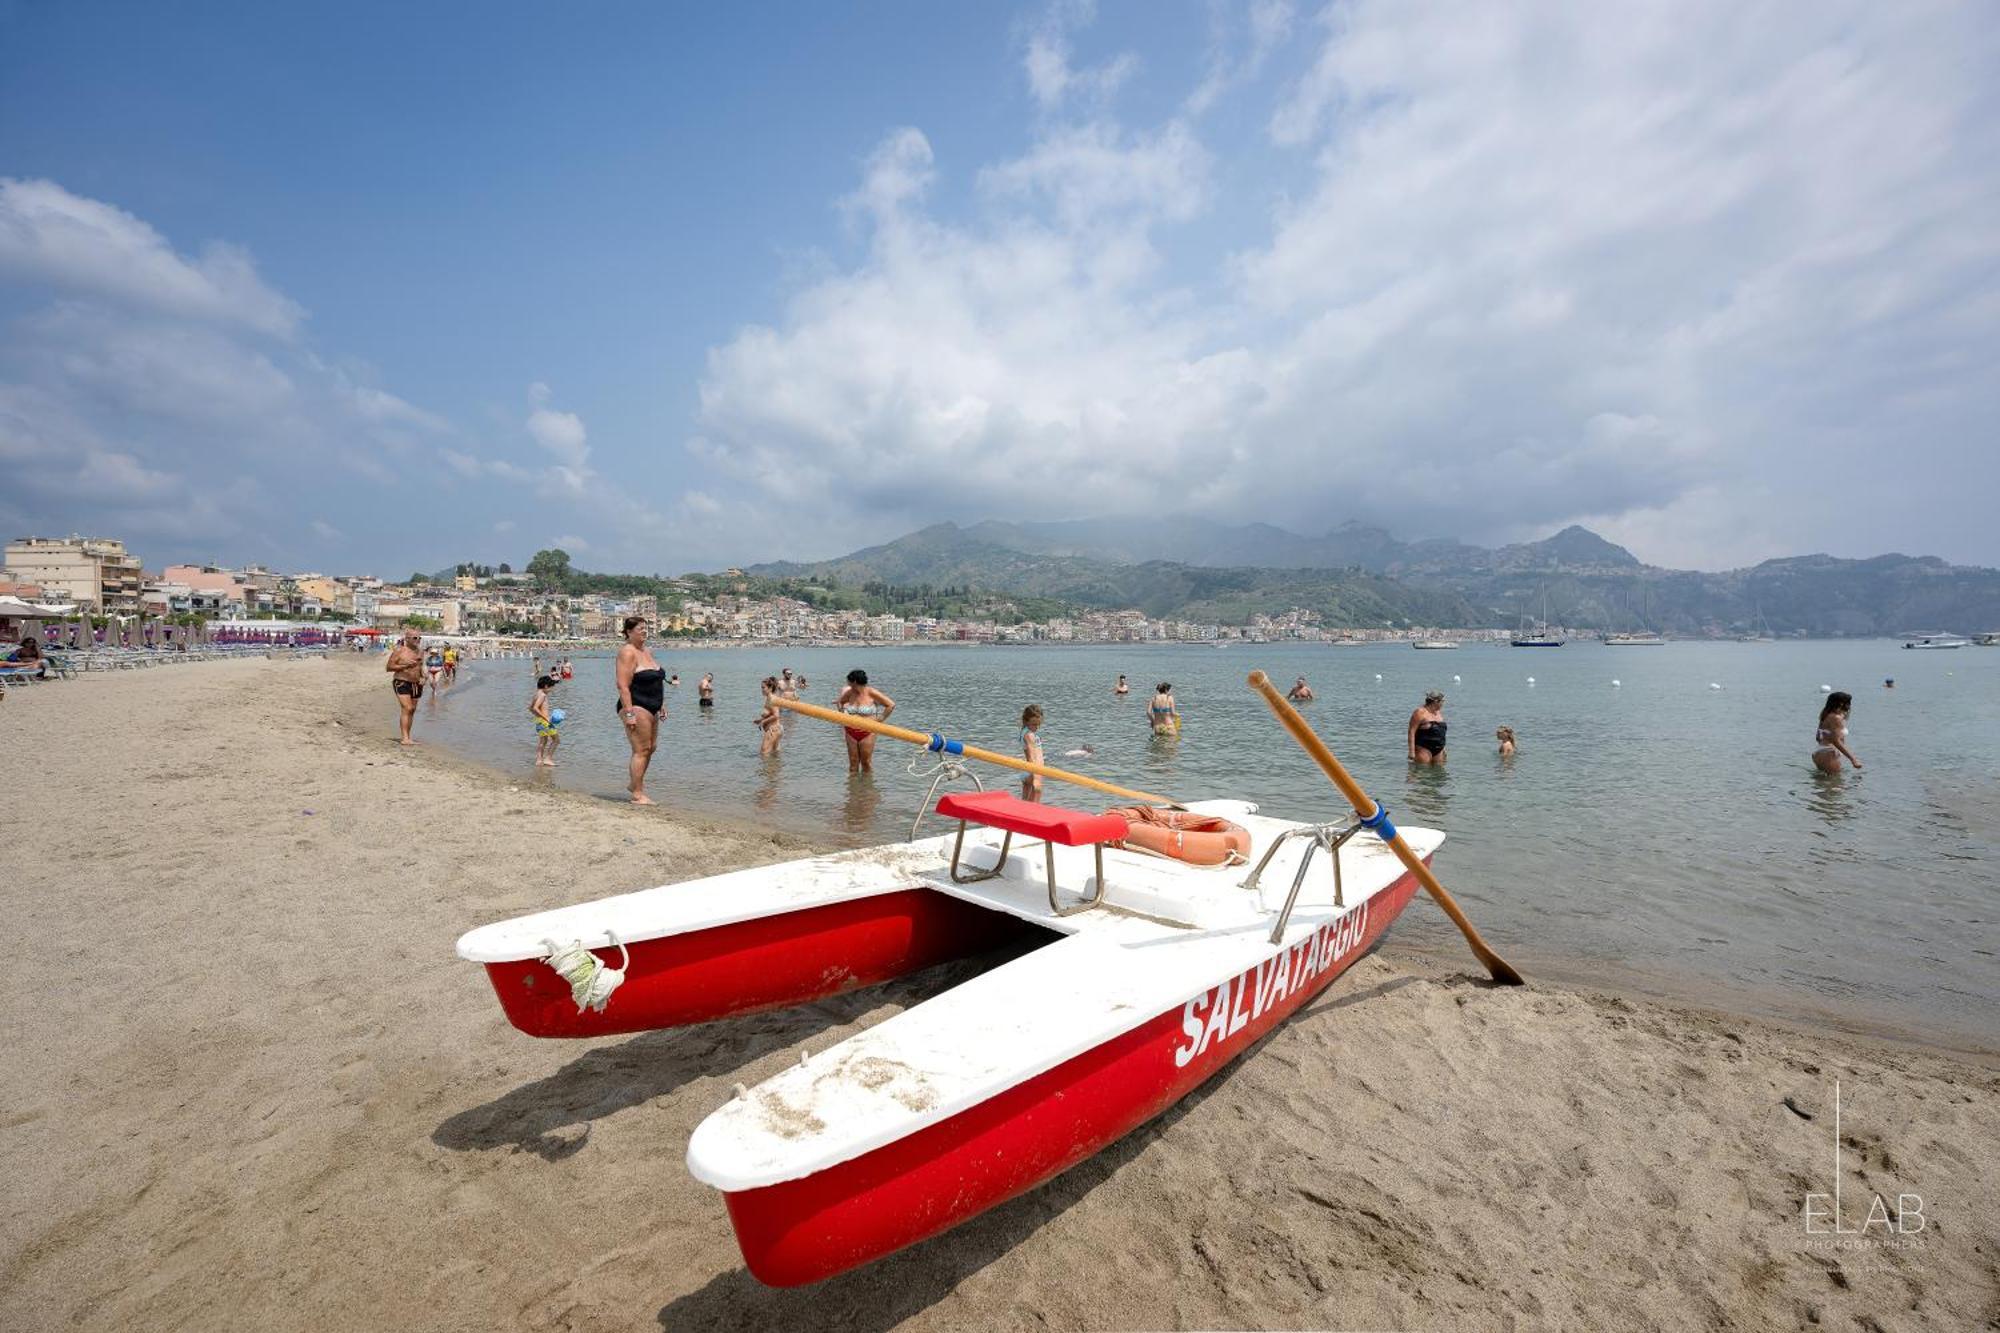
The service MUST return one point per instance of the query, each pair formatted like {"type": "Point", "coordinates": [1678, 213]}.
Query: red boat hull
{"type": "Point", "coordinates": [855, 1212]}
{"type": "Point", "coordinates": [765, 963]}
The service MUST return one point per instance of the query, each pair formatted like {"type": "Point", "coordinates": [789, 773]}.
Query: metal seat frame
{"type": "Point", "coordinates": [1330, 837]}
{"type": "Point", "coordinates": [1049, 848]}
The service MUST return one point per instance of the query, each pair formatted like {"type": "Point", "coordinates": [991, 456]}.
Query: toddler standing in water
{"type": "Point", "coordinates": [1031, 750]}
{"type": "Point", "coordinates": [546, 734]}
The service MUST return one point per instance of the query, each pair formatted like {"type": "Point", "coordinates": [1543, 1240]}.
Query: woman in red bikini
{"type": "Point", "coordinates": [862, 700]}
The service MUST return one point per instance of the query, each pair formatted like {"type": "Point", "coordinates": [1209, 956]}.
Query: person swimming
{"type": "Point", "coordinates": [1301, 693]}
{"type": "Point", "coordinates": [1164, 714]}
{"type": "Point", "coordinates": [1830, 739]}
{"type": "Point", "coordinates": [1505, 735]}
{"type": "Point", "coordinates": [1427, 730]}
{"type": "Point", "coordinates": [1121, 687]}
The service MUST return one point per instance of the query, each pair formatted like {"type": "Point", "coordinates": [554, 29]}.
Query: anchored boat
{"type": "Point", "coordinates": [1156, 973]}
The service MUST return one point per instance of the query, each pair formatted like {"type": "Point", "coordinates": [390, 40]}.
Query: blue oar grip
{"type": "Point", "coordinates": [1378, 823]}
{"type": "Point", "coordinates": [939, 745]}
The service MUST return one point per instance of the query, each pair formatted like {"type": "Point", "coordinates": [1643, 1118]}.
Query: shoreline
{"type": "Point", "coordinates": [252, 1087]}
{"type": "Point", "coordinates": [1428, 940]}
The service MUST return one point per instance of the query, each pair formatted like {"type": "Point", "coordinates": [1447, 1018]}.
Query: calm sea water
{"type": "Point", "coordinates": [1656, 829]}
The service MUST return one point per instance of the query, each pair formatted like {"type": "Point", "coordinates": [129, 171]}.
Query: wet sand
{"type": "Point", "coordinates": [248, 1085]}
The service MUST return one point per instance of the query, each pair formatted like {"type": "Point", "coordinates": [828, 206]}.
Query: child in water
{"type": "Point", "coordinates": [1031, 750]}
{"type": "Point", "coordinates": [546, 734]}
{"type": "Point", "coordinates": [1506, 736]}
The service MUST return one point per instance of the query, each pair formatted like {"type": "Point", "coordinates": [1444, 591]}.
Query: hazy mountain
{"type": "Point", "coordinates": [1362, 576]}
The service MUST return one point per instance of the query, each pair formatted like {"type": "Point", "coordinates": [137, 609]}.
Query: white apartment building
{"type": "Point", "coordinates": [93, 571]}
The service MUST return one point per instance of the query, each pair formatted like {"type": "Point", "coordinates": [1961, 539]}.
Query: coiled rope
{"type": "Point", "coordinates": [590, 979]}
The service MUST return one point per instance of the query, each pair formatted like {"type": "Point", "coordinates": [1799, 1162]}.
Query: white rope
{"type": "Point", "coordinates": [590, 980]}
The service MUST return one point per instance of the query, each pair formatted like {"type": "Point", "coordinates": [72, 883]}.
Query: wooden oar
{"type": "Point", "coordinates": [926, 739]}
{"type": "Point", "coordinates": [1366, 807]}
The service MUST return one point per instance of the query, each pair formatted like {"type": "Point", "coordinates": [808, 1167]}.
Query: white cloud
{"type": "Point", "coordinates": [166, 397]}
{"type": "Point", "coordinates": [51, 237]}
{"type": "Point", "coordinates": [1547, 263]}
{"type": "Point", "coordinates": [1269, 24]}
{"type": "Point", "coordinates": [1053, 77]}
{"type": "Point", "coordinates": [1095, 173]}
{"type": "Point", "coordinates": [562, 435]}
{"type": "Point", "coordinates": [324, 530]}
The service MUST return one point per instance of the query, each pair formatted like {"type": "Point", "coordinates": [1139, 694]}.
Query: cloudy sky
{"type": "Point", "coordinates": [387, 287]}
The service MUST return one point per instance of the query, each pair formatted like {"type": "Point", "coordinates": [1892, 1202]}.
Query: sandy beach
{"type": "Point", "coordinates": [249, 1085]}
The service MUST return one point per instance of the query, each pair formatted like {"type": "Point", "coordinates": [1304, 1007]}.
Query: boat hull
{"type": "Point", "coordinates": [769, 962]}
{"type": "Point", "coordinates": [857, 1211]}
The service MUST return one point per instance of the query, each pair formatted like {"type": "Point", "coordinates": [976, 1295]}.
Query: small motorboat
{"type": "Point", "coordinates": [1433, 645]}
{"type": "Point", "coordinates": [1156, 974]}
{"type": "Point", "coordinates": [1920, 640]}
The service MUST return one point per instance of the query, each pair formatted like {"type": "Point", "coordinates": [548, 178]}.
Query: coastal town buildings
{"type": "Point", "coordinates": [102, 574]}
{"type": "Point", "coordinates": [97, 572]}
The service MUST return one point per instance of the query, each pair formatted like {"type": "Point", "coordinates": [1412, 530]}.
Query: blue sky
{"type": "Point", "coordinates": [386, 287]}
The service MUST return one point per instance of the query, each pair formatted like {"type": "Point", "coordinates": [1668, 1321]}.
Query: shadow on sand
{"type": "Point", "coordinates": [551, 1117]}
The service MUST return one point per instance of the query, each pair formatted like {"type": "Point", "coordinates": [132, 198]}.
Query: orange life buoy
{"type": "Point", "coordinates": [1201, 840]}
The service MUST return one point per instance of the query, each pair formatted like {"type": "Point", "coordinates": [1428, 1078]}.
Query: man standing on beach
{"type": "Point", "coordinates": [406, 673]}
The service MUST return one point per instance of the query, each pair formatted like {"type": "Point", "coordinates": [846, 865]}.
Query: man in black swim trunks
{"type": "Point", "coordinates": [406, 673]}
{"type": "Point", "coordinates": [707, 688]}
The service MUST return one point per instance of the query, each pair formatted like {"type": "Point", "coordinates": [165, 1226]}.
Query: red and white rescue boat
{"type": "Point", "coordinates": [1162, 973]}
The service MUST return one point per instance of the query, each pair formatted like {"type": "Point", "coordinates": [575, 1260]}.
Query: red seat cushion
{"type": "Point", "coordinates": [998, 809]}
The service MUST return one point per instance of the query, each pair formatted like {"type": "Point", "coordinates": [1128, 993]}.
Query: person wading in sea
{"type": "Point", "coordinates": [769, 722]}
{"type": "Point", "coordinates": [406, 671]}
{"type": "Point", "coordinates": [1427, 728]}
{"type": "Point", "coordinates": [862, 700]}
{"type": "Point", "coordinates": [1831, 738]}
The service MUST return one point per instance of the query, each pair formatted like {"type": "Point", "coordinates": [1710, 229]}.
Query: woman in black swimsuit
{"type": "Point", "coordinates": [642, 702]}
{"type": "Point", "coordinates": [1426, 736]}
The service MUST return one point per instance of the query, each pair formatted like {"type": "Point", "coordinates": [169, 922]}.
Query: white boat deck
{"type": "Point", "coordinates": [1116, 971]}
{"type": "Point", "coordinates": [718, 900]}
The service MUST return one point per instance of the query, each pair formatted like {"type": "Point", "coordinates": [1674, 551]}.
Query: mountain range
{"type": "Point", "coordinates": [1360, 576]}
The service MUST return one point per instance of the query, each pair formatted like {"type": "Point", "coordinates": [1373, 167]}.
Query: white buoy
{"type": "Point", "coordinates": [1531, 680]}
{"type": "Point", "coordinates": [1456, 679]}
{"type": "Point", "coordinates": [1713, 686]}
{"type": "Point", "coordinates": [1615, 684]}
{"type": "Point", "coordinates": [1826, 689]}
{"type": "Point", "coordinates": [1378, 675]}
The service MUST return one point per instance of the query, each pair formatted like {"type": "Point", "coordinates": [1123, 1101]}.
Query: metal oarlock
{"type": "Point", "coordinates": [1330, 837]}
{"type": "Point", "coordinates": [948, 770]}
